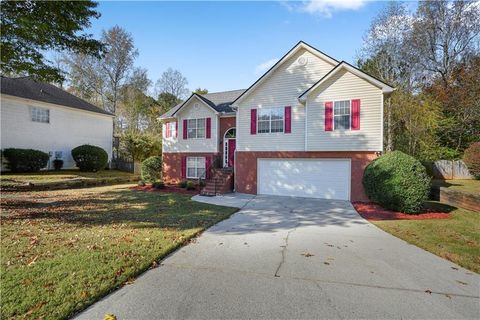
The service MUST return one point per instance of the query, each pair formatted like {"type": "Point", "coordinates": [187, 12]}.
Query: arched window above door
{"type": "Point", "coordinates": [231, 133]}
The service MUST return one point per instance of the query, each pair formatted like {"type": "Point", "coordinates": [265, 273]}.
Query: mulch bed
{"type": "Point", "coordinates": [168, 189]}
{"type": "Point", "coordinates": [374, 212]}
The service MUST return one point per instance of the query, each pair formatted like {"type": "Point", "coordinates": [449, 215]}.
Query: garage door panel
{"type": "Point", "coordinates": [326, 178]}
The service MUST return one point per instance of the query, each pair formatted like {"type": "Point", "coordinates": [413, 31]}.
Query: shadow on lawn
{"type": "Point", "coordinates": [135, 208]}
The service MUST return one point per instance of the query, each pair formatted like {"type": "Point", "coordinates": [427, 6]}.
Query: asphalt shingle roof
{"type": "Point", "coordinates": [220, 101]}
{"type": "Point", "coordinates": [28, 88]}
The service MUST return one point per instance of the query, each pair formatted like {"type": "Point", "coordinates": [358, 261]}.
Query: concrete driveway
{"type": "Point", "coordinates": [297, 258]}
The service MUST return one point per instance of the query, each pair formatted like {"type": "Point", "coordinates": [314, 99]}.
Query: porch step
{"type": "Point", "coordinates": [221, 182]}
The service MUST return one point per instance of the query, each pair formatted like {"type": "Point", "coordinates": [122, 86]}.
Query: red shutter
{"type": "Point", "coordinates": [356, 114]}
{"type": "Point", "coordinates": [253, 121]}
{"type": "Point", "coordinates": [208, 162]}
{"type": "Point", "coordinates": [185, 129]}
{"type": "Point", "coordinates": [184, 167]}
{"type": "Point", "coordinates": [288, 119]}
{"type": "Point", "coordinates": [176, 129]}
{"type": "Point", "coordinates": [209, 128]}
{"type": "Point", "coordinates": [328, 116]}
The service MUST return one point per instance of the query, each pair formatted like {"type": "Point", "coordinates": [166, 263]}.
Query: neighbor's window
{"type": "Point", "coordinates": [270, 120]}
{"type": "Point", "coordinates": [58, 154]}
{"type": "Point", "coordinates": [341, 115]}
{"type": "Point", "coordinates": [195, 167]}
{"type": "Point", "coordinates": [196, 128]}
{"type": "Point", "coordinates": [40, 115]}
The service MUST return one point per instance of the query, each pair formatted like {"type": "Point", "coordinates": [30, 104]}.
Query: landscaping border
{"type": "Point", "coordinates": [69, 184]}
{"type": "Point", "coordinates": [456, 198]}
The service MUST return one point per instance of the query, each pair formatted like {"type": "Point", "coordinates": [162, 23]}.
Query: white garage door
{"type": "Point", "coordinates": [312, 178]}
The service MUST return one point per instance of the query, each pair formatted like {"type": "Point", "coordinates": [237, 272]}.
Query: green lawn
{"type": "Point", "coordinates": [13, 179]}
{"type": "Point", "coordinates": [63, 250]}
{"type": "Point", "coordinates": [456, 239]}
{"type": "Point", "coordinates": [472, 186]}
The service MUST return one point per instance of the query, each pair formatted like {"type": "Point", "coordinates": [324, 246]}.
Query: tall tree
{"type": "Point", "coordinates": [173, 82]}
{"type": "Point", "coordinates": [200, 91]}
{"type": "Point", "coordinates": [385, 54]}
{"type": "Point", "coordinates": [29, 28]}
{"type": "Point", "coordinates": [167, 101]}
{"type": "Point", "coordinates": [445, 33]}
{"type": "Point", "coordinates": [101, 79]}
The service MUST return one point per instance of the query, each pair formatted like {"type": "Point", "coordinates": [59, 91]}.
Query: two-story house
{"type": "Point", "coordinates": [308, 127]}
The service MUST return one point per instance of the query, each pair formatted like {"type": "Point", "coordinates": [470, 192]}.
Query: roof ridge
{"type": "Point", "coordinates": [222, 91]}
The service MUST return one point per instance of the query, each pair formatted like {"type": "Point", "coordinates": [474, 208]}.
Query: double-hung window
{"type": "Point", "coordinates": [196, 128]}
{"type": "Point", "coordinates": [195, 167]}
{"type": "Point", "coordinates": [270, 120]}
{"type": "Point", "coordinates": [40, 115]}
{"type": "Point", "coordinates": [341, 115]}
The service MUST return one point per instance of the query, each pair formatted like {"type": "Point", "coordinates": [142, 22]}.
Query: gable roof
{"type": "Point", "coordinates": [219, 101]}
{"type": "Point", "coordinates": [28, 88]}
{"type": "Point", "coordinates": [345, 65]}
{"type": "Point", "coordinates": [298, 46]}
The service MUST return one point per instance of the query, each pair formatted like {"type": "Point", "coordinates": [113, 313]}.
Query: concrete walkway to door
{"type": "Point", "coordinates": [289, 258]}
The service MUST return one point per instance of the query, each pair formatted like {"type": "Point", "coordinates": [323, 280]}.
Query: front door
{"type": "Point", "coordinates": [231, 152]}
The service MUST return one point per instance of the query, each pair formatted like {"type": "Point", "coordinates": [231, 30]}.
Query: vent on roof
{"type": "Point", "coordinates": [302, 61]}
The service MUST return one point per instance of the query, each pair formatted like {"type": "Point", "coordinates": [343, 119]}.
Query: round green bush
{"type": "Point", "coordinates": [183, 184]}
{"type": "Point", "coordinates": [57, 164]}
{"type": "Point", "coordinates": [90, 158]}
{"type": "Point", "coordinates": [158, 184]}
{"type": "Point", "coordinates": [152, 169]}
{"type": "Point", "coordinates": [25, 160]}
{"type": "Point", "coordinates": [471, 157]}
{"type": "Point", "coordinates": [190, 185]}
{"type": "Point", "coordinates": [398, 182]}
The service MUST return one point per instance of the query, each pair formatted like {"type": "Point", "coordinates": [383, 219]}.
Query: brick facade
{"type": "Point", "coordinates": [172, 164]}
{"type": "Point", "coordinates": [246, 168]}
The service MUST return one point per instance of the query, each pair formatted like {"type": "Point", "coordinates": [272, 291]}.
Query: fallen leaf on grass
{"type": "Point", "coordinates": [307, 254]}
{"type": "Point", "coordinates": [110, 317]}
{"type": "Point", "coordinates": [84, 294]}
{"type": "Point", "coordinates": [35, 308]}
{"type": "Point", "coordinates": [130, 281]}
{"type": "Point", "coordinates": [32, 261]}
{"type": "Point", "coordinates": [154, 265]}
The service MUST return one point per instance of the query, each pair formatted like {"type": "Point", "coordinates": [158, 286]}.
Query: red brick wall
{"type": "Point", "coordinates": [246, 168]}
{"type": "Point", "coordinates": [172, 165]}
{"type": "Point", "coordinates": [225, 124]}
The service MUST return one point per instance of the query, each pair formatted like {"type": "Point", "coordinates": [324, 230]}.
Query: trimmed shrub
{"type": "Point", "coordinates": [471, 157]}
{"type": "Point", "coordinates": [57, 164]}
{"type": "Point", "coordinates": [398, 182]}
{"type": "Point", "coordinates": [182, 184]}
{"type": "Point", "coordinates": [25, 160]}
{"type": "Point", "coordinates": [90, 158]}
{"type": "Point", "coordinates": [158, 184]}
{"type": "Point", "coordinates": [152, 169]}
{"type": "Point", "coordinates": [190, 185]}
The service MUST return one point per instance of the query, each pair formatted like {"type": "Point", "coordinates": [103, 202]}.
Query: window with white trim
{"type": "Point", "coordinates": [40, 115]}
{"type": "Point", "coordinates": [170, 129]}
{"type": "Point", "coordinates": [196, 128]}
{"type": "Point", "coordinates": [195, 167]}
{"type": "Point", "coordinates": [270, 120]}
{"type": "Point", "coordinates": [341, 115]}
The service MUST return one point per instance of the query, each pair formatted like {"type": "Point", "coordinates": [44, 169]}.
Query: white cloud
{"type": "Point", "coordinates": [262, 67]}
{"type": "Point", "coordinates": [324, 7]}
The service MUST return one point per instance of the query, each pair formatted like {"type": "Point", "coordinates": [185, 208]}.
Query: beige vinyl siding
{"type": "Point", "coordinates": [281, 89]}
{"type": "Point", "coordinates": [345, 86]}
{"type": "Point", "coordinates": [178, 144]}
